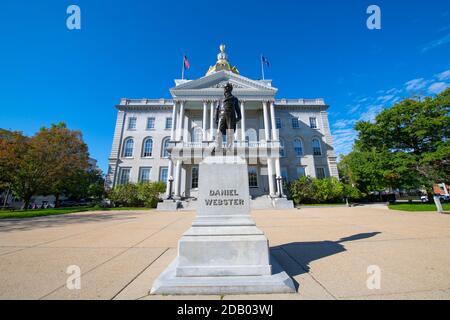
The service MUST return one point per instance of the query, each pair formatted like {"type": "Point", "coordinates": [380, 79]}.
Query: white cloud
{"type": "Point", "coordinates": [437, 87]}
{"type": "Point", "coordinates": [443, 75]}
{"type": "Point", "coordinates": [371, 113]}
{"type": "Point", "coordinates": [354, 109]}
{"type": "Point", "coordinates": [393, 91]}
{"type": "Point", "coordinates": [386, 98]}
{"type": "Point", "coordinates": [436, 43]}
{"type": "Point", "coordinates": [416, 84]}
{"type": "Point", "coordinates": [344, 140]}
{"type": "Point", "coordinates": [344, 123]}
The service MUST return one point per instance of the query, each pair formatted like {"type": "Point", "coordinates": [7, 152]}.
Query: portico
{"type": "Point", "coordinates": [199, 99]}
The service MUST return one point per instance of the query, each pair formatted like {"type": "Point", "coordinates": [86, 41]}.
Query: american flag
{"type": "Point", "coordinates": [265, 61]}
{"type": "Point", "coordinates": [186, 62]}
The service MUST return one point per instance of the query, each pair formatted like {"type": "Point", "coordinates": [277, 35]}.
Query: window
{"type": "Point", "coordinates": [194, 183]}
{"type": "Point", "coordinates": [250, 135]}
{"type": "Point", "coordinates": [144, 174]}
{"type": "Point", "coordinates": [282, 150]}
{"type": "Point", "coordinates": [168, 123]}
{"type": "Point", "coordinates": [147, 148]}
{"type": "Point", "coordinates": [132, 123]}
{"type": "Point", "coordinates": [284, 175]}
{"type": "Point", "coordinates": [197, 134]}
{"type": "Point", "coordinates": [313, 123]}
{"type": "Point", "coordinates": [163, 172]}
{"type": "Point", "coordinates": [165, 145]}
{"type": "Point", "coordinates": [124, 175]}
{"type": "Point", "coordinates": [298, 147]}
{"type": "Point", "coordinates": [252, 177]}
{"type": "Point", "coordinates": [320, 173]}
{"type": "Point", "coordinates": [278, 123]}
{"type": "Point", "coordinates": [301, 172]}
{"type": "Point", "coordinates": [295, 123]}
{"type": "Point", "coordinates": [150, 123]}
{"type": "Point", "coordinates": [128, 149]}
{"type": "Point", "coordinates": [317, 150]}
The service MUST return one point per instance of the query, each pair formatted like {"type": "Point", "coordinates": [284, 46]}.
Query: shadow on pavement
{"type": "Point", "coordinates": [62, 220]}
{"type": "Point", "coordinates": [303, 253]}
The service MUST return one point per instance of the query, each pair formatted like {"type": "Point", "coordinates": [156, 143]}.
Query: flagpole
{"type": "Point", "coordinates": [262, 67]}
{"type": "Point", "coordinates": [182, 69]}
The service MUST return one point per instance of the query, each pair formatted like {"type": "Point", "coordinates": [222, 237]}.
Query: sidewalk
{"type": "Point", "coordinates": [326, 251]}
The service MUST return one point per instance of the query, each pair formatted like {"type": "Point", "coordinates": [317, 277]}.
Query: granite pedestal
{"type": "Point", "coordinates": [223, 252]}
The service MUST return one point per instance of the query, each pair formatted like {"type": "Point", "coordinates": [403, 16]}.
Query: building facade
{"type": "Point", "coordinates": [280, 138]}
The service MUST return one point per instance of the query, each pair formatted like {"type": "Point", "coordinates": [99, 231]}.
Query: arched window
{"type": "Point", "coordinates": [298, 147]}
{"type": "Point", "coordinates": [317, 149]}
{"type": "Point", "coordinates": [128, 148]}
{"type": "Point", "coordinates": [282, 150]}
{"type": "Point", "coordinates": [147, 147]}
{"type": "Point", "coordinates": [165, 145]}
{"type": "Point", "coordinates": [197, 134]}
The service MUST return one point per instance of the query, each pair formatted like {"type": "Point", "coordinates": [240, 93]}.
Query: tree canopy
{"type": "Point", "coordinates": [407, 146]}
{"type": "Point", "coordinates": [54, 161]}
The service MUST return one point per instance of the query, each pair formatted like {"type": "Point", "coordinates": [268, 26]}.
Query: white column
{"type": "Point", "coordinates": [266, 121]}
{"type": "Point", "coordinates": [174, 122]}
{"type": "Point", "coordinates": [205, 117]}
{"type": "Point", "coordinates": [271, 177]}
{"type": "Point", "coordinates": [211, 122]}
{"type": "Point", "coordinates": [169, 173]}
{"type": "Point", "coordinates": [243, 121]}
{"type": "Point", "coordinates": [177, 180]}
{"type": "Point", "coordinates": [274, 124]}
{"type": "Point", "coordinates": [181, 122]}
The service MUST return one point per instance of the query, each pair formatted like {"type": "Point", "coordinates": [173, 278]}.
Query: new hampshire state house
{"type": "Point", "coordinates": [166, 139]}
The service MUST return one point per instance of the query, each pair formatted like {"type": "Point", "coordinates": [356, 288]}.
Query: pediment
{"type": "Point", "coordinates": [219, 79]}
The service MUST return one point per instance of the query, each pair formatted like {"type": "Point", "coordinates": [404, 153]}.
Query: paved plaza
{"type": "Point", "coordinates": [327, 251]}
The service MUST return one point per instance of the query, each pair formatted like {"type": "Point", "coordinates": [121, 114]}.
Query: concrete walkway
{"type": "Point", "coordinates": [326, 250]}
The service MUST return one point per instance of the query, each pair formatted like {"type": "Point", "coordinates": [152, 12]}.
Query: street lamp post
{"type": "Point", "coordinates": [170, 188]}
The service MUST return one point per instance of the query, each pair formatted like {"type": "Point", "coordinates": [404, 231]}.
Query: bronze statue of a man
{"type": "Point", "coordinates": [228, 114]}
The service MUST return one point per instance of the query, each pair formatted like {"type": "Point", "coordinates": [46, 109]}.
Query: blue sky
{"type": "Point", "coordinates": [134, 49]}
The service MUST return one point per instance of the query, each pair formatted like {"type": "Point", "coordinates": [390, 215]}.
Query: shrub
{"type": "Point", "coordinates": [301, 190]}
{"type": "Point", "coordinates": [149, 193]}
{"type": "Point", "coordinates": [125, 196]}
{"type": "Point", "coordinates": [352, 193]}
{"type": "Point", "coordinates": [308, 190]}
{"type": "Point", "coordinates": [137, 195]}
{"type": "Point", "coordinates": [327, 190]}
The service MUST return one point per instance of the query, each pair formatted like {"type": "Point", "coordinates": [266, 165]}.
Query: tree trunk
{"type": "Point", "coordinates": [6, 198]}
{"type": "Point", "coordinates": [26, 202]}
{"type": "Point", "coordinates": [430, 195]}
{"type": "Point", "coordinates": [57, 200]}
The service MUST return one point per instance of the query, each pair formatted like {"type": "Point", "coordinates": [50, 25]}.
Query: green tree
{"type": "Point", "coordinates": [64, 157]}
{"type": "Point", "coordinates": [407, 146]}
{"type": "Point", "coordinates": [13, 148]}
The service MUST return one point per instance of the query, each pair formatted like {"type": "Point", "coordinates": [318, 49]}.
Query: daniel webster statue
{"type": "Point", "coordinates": [228, 114]}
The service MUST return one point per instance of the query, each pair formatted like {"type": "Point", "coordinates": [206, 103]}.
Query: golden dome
{"type": "Point", "coordinates": [222, 63]}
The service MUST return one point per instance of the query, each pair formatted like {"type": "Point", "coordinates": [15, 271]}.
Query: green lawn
{"type": "Point", "coordinates": [8, 214]}
{"type": "Point", "coordinates": [417, 207]}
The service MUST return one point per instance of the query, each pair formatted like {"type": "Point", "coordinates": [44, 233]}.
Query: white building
{"type": "Point", "coordinates": [280, 137]}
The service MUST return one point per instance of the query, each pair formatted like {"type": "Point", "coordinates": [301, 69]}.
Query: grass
{"type": "Point", "coordinates": [418, 207]}
{"type": "Point", "coordinates": [19, 214]}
